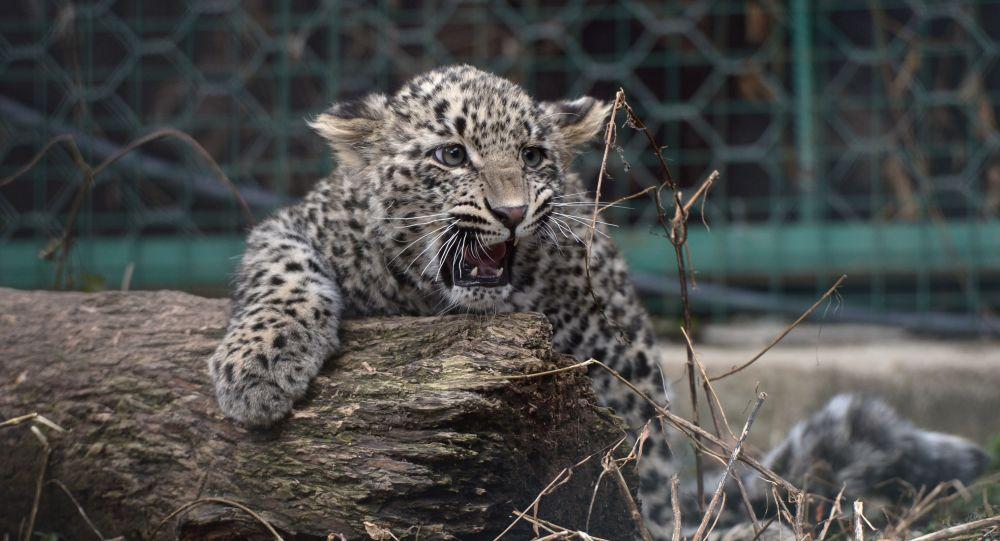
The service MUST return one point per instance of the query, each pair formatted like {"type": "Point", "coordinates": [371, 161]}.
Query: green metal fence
{"type": "Point", "coordinates": [854, 137]}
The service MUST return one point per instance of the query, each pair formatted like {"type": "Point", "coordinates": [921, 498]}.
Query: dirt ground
{"type": "Point", "coordinates": [945, 385]}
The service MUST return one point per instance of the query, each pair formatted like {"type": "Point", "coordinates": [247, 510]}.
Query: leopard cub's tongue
{"type": "Point", "coordinates": [487, 263]}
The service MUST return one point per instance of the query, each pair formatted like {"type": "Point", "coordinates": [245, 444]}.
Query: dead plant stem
{"type": "Point", "coordinates": [217, 501]}
{"type": "Point", "coordinates": [785, 332]}
{"type": "Point", "coordinates": [714, 502]}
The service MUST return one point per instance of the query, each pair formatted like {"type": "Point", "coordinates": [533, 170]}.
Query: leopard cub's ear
{"type": "Point", "coordinates": [579, 121]}
{"type": "Point", "coordinates": [353, 128]}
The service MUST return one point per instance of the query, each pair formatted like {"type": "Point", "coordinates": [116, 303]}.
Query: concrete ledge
{"type": "Point", "coordinates": [946, 385]}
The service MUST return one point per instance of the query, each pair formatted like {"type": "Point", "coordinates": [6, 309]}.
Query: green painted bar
{"type": "Point", "coordinates": [160, 262]}
{"type": "Point", "coordinates": [757, 251]}
{"type": "Point", "coordinates": [792, 250]}
{"type": "Point", "coordinates": [805, 131]}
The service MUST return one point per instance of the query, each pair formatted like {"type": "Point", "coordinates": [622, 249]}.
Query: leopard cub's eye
{"type": "Point", "coordinates": [532, 156]}
{"type": "Point", "coordinates": [450, 155]}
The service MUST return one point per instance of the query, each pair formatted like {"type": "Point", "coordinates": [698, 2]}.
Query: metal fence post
{"type": "Point", "coordinates": [805, 137]}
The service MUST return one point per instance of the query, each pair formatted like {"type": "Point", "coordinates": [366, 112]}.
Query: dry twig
{"type": "Point", "coordinates": [609, 138]}
{"type": "Point", "coordinates": [800, 517]}
{"type": "Point", "coordinates": [46, 452]}
{"type": "Point", "coordinates": [716, 410]}
{"type": "Point", "coordinates": [555, 531]}
{"type": "Point", "coordinates": [79, 508]}
{"type": "Point", "coordinates": [859, 528]}
{"type": "Point", "coordinates": [218, 501]}
{"type": "Point", "coordinates": [560, 478]}
{"type": "Point", "coordinates": [680, 423]}
{"type": "Point", "coordinates": [714, 404]}
{"type": "Point", "coordinates": [785, 332]}
{"type": "Point", "coordinates": [960, 529]}
{"type": "Point", "coordinates": [676, 232]}
{"type": "Point", "coordinates": [63, 244]}
{"type": "Point", "coordinates": [33, 416]}
{"type": "Point", "coordinates": [600, 477]}
{"type": "Point", "coordinates": [834, 512]}
{"type": "Point", "coordinates": [714, 502]}
{"type": "Point", "coordinates": [612, 465]}
{"type": "Point", "coordinates": [632, 507]}
{"type": "Point", "coordinates": [924, 505]}
{"type": "Point", "coordinates": [782, 508]}
{"type": "Point", "coordinates": [675, 504]}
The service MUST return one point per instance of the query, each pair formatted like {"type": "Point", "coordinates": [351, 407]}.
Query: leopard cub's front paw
{"type": "Point", "coordinates": [258, 406]}
{"type": "Point", "coordinates": [247, 395]}
{"type": "Point", "coordinates": [263, 365]}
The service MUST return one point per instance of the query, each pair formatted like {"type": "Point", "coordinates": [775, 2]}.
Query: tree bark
{"type": "Point", "coordinates": [404, 430]}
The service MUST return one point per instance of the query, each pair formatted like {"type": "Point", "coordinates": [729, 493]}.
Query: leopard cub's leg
{"type": "Point", "coordinates": [284, 325]}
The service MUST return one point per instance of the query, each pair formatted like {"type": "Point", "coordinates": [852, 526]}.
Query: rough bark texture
{"type": "Point", "coordinates": [403, 430]}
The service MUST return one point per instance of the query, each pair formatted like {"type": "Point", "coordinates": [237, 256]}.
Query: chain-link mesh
{"type": "Point", "coordinates": [852, 136]}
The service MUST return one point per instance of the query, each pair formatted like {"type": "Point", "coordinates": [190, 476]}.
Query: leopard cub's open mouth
{"type": "Point", "coordinates": [475, 266]}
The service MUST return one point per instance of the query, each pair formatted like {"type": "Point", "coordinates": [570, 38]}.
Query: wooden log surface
{"type": "Point", "coordinates": [406, 430]}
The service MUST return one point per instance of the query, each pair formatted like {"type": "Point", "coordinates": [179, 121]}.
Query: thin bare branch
{"type": "Point", "coordinates": [675, 504]}
{"type": "Point", "coordinates": [633, 509]}
{"type": "Point", "coordinates": [747, 504]}
{"type": "Point", "coordinates": [960, 529]}
{"type": "Point", "coordinates": [639, 125]}
{"type": "Point", "coordinates": [714, 502]}
{"type": "Point", "coordinates": [65, 138]}
{"type": "Point", "coordinates": [630, 197]}
{"type": "Point", "coordinates": [702, 190]}
{"type": "Point", "coordinates": [924, 505]}
{"type": "Point", "coordinates": [63, 244]}
{"type": "Point", "coordinates": [800, 517]}
{"type": "Point", "coordinates": [542, 374]}
{"type": "Point", "coordinates": [687, 427]}
{"type": "Point", "coordinates": [716, 409]}
{"type": "Point", "coordinates": [33, 416]}
{"type": "Point", "coordinates": [834, 511]}
{"type": "Point", "coordinates": [859, 527]}
{"type": "Point", "coordinates": [676, 231]}
{"type": "Point", "coordinates": [39, 482]}
{"type": "Point", "coordinates": [714, 404]}
{"type": "Point", "coordinates": [560, 478]}
{"type": "Point", "coordinates": [79, 508]}
{"type": "Point", "coordinates": [609, 139]}
{"type": "Point", "coordinates": [785, 332]}
{"type": "Point", "coordinates": [193, 143]}
{"type": "Point", "coordinates": [217, 501]}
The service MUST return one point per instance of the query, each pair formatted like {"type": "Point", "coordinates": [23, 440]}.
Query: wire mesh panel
{"type": "Point", "coordinates": [852, 136]}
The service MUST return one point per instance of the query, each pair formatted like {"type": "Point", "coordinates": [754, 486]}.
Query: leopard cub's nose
{"type": "Point", "coordinates": [510, 216]}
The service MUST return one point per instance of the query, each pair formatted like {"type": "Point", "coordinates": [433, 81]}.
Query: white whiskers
{"type": "Point", "coordinates": [586, 222]}
{"type": "Point", "coordinates": [566, 230]}
{"type": "Point", "coordinates": [568, 195]}
{"type": "Point", "coordinates": [552, 236]}
{"type": "Point", "coordinates": [443, 251]}
{"type": "Point", "coordinates": [421, 237]}
{"type": "Point", "coordinates": [422, 223]}
{"type": "Point", "coordinates": [590, 204]}
{"type": "Point", "coordinates": [424, 217]}
{"type": "Point", "coordinates": [430, 245]}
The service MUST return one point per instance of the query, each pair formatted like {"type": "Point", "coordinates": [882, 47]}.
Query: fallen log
{"type": "Point", "coordinates": [407, 431]}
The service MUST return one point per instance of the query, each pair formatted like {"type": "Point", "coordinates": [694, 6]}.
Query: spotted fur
{"type": "Point", "coordinates": [855, 444]}
{"type": "Point", "coordinates": [377, 238]}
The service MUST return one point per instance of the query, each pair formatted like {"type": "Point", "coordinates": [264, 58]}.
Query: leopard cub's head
{"type": "Point", "coordinates": [464, 167]}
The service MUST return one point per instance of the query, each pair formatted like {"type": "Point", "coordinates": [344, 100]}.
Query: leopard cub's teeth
{"type": "Point", "coordinates": [500, 271]}
{"type": "Point", "coordinates": [516, 239]}
{"type": "Point", "coordinates": [474, 272]}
